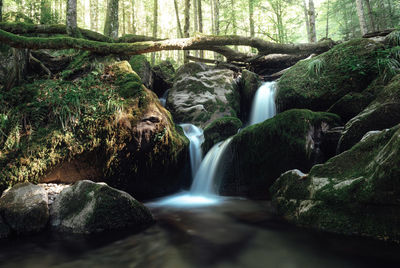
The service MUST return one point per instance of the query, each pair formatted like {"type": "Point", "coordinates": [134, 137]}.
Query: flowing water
{"type": "Point", "coordinates": [263, 104]}
{"type": "Point", "coordinates": [163, 99]}
{"type": "Point", "coordinates": [196, 138]}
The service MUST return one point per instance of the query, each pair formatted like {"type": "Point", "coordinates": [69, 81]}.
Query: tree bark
{"type": "Point", "coordinates": [94, 11]}
{"type": "Point", "coordinates": [327, 20]}
{"type": "Point", "coordinates": [251, 19]}
{"type": "Point", "coordinates": [178, 21]}
{"type": "Point", "coordinates": [361, 17]}
{"type": "Point", "coordinates": [307, 20]}
{"type": "Point", "coordinates": [186, 26]}
{"type": "Point", "coordinates": [212, 43]}
{"type": "Point", "coordinates": [45, 12]}
{"type": "Point", "coordinates": [311, 12]}
{"type": "Point", "coordinates": [200, 17]}
{"type": "Point", "coordinates": [112, 24]}
{"type": "Point", "coordinates": [233, 20]}
{"type": "Point", "coordinates": [370, 16]}
{"type": "Point", "coordinates": [133, 18]}
{"type": "Point", "coordinates": [155, 26]}
{"type": "Point", "coordinates": [195, 22]}
{"type": "Point", "coordinates": [72, 27]}
{"type": "Point", "coordinates": [1, 10]}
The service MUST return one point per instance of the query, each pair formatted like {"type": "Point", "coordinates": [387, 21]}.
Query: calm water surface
{"type": "Point", "coordinates": [234, 233]}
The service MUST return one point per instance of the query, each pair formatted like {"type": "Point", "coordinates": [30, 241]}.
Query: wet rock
{"type": "Point", "coordinates": [5, 230]}
{"type": "Point", "coordinates": [142, 67]}
{"type": "Point", "coordinates": [201, 94]}
{"type": "Point", "coordinates": [260, 153]}
{"type": "Point", "coordinates": [355, 192]}
{"type": "Point", "coordinates": [88, 207]}
{"type": "Point", "coordinates": [249, 84]}
{"type": "Point", "coordinates": [25, 208]}
{"type": "Point", "coordinates": [163, 77]}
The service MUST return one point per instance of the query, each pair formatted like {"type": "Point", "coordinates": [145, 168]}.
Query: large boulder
{"type": "Point", "coordinates": [201, 94]}
{"type": "Point", "coordinates": [118, 133]}
{"type": "Point", "coordinates": [142, 67]}
{"type": "Point", "coordinates": [88, 207]}
{"type": "Point", "coordinates": [164, 74]}
{"type": "Point", "coordinates": [219, 130]}
{"type": "Point", "coordinates": [356, 192]}
{"type": "Point", "coordinates": [319, 82]}
{"type": "Point", "coordinates": [260, 153]}
{"type": "Point", "coordinates": [383, 112]}
{"type": "Point", "coordinates": [5, 230]}
{"type": "Point", "coordinates": [25, 208]}
{"type": "Point", "coordinates": [249, 83]}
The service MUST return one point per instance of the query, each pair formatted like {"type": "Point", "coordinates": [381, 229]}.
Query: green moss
{"type": "Point", "coordinates": [219, 130]}
{"type": "Point", "coordinates": [137, 62]}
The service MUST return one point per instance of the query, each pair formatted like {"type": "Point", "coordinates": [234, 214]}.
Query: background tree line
{"type": "Point", "coordinates": [281, 21]}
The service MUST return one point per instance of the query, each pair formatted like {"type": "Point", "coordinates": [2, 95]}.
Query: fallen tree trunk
{"type": "Point", "coordinates": [200, 42]}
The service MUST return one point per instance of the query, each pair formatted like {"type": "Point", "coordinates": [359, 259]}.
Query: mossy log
{"type": "Point", "coordinates": [8, 35]}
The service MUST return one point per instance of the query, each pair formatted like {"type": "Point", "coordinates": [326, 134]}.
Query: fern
{"type": "Point", "coordinates": [314, 67]}
{"type": "Point", "coordinates": [393, 38]}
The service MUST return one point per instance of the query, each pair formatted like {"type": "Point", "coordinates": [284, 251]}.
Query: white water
{"type": "Point", "coordinates": [204, 172]}
{"type": "Point", "coordinates": [263, 106]}
{"type": "Point", "coordinates": [196, 138]}
{"type": "Point", "coordinates": [163, 99]}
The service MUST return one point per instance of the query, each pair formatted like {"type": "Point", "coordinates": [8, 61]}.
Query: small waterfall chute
{"type": "Point", "coordinates": [263, 106]}
{"type": "Point", "coordinates": [163, 98]}
{"type": "Point", "coordinates": [196, 138]}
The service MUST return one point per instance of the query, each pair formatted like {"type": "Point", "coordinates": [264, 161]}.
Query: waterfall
{"type": "Point", "coordinates": [203, 183]}
{"type": "Point", "coordinates": [196, 138]}
{"type": "Point", "coordinates": [163, 99]}
{"type": "Point", "coordinates": [263, 106]}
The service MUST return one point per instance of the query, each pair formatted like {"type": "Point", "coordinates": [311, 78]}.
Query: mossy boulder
{"type": "Point", "coordinates": [351, 105]}
{"type": "Point", "coordinates": [142, 67]}
{"type": "Point", "coordinates": [88, 207]}
{"type": "Point", "coordinates": [319, 82]}
{"type": "Point", "coordinates": [104, 126]}
{"type": "Point", "coordinates": [355, 192]}
{"type": "Point", "coordinates": [164, 74]}
{"type": "Point", "coordinates": [249, 84]}
{"type": "Point", "coordinates": [220, 130]}
{"type": "Point", "coordinates": [202, 93]}
{"type": "Point", "coordinates": [260, 153]}
{"type": "Point", "coordinates": [25, 208]}
{"type": "Point", "coordinates": [383, 112]}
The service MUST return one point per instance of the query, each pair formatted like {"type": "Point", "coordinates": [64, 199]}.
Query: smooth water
{"type": "Point", "coordinates": [263, 106]}
{"type": "Point", "coordinates": [196, 138]}
{"type": "Point", "coordinates": [163, 98]}
{"type": "Point", "coordinates": [234, 233]}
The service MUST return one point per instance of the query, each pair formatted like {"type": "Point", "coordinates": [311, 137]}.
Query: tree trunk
{"type": "Point", "coordinates": [186, 26]}
{"type": "Point", "coordinates": [361, 17]}
{"type": "Point", "coordinates": [45, 12]}
{"type": "Point", "coordinates": [133, 17]}
{"type": "Point", "coordinates": [327, 21]}
{"type": "Point", "coordinates": [155, 26]}
{"type": "Point", "coordinates": [94, 11]}
{"type": "Point", "coordinates": [251, 19]}
{"type": "Point", "coordinates": [307, 20]}
{"type": "Point", "coordinates": [200, 16]}
{"type": "Point", "coordinates": [112, 24]}
{"type": "Point", "coordinates": [123, 18]}
{"type": "Point", "coordinates": [370, 16]}
{"type": "Point", "coordinates": [311, 13]}
{"type": "Point", "coordinates": [178, 21]}
{"type": "Point", "coordinates": [72, 27]}
{"type": "Point", "coordinates": [216, 23]}
{"type": "Point", "coordinates": [195, 22]}
{"type": "Point", "coordinates": [233, 20]}
{"type": "Point", "coordinates": [389, 17]}
{"type": "Point", "coordinates": [1, 10]}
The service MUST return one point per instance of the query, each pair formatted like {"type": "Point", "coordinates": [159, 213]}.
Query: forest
{"type": "Point", "coordinates": [199, 133]}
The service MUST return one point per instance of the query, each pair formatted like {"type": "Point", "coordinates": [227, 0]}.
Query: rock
{"type": "Point", "coordinates": [220, 130]}
{"type": "Point", "coordinates": [355, 192]}
{"type": "Point", "coordinates": [163, 77]}
{"type": "Point", "coordinates": [88, 207]}
{"type": "Point", "coordinates": [383, 112]}
{"type": "Point", "coordinates": [201, 94]}
{"type": "Point", "coordinates": [25, 208]}
{"type": "Point", "coordinates": [260, 153]}
{"type": "Point", "coordinates": [319, 82]}
{"type": "Point", "coordinates": [5, 230]}
{"type": "Point", "coordinates": [122, 136]}
{"type": "Point", "coordinates": [249, 84]}
{"type": "Point", "coordinates": [142, 67]}
{"type": "Point", "coordinates": [53, 190]}
{"type": "Point", "coordinates": [350, 105]}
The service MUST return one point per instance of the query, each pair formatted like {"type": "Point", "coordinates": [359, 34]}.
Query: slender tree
{"type": "Point", "coordinates": [307, 20]}
{"type": "Point", "coordinates": [311, 13]}
{"type": "Point", "coordinates": [382, 18]}
{"type": "Point", "coordinates": [195, 22]}
{"type": "Point", "coordinates": [233, 20]}
{"type": "Point", "coordinates": [200, 17]}
{"type": "Point", "coordinates": [72, 26]}
{"type": "Point", "coordinates": [133, 17]}
{"type": "Point", "coordinates": [94, 11]}
{"type": "Point", "coordinates": [155, 26]}
{"type": "Point", "coordinates": [178, 21]}
{"type": "Point", "coordinates": [1, 10]}
{"type": "Point", "coordinates": [371, 18]}
{"type": "Point", "coordinates": [251, 18]}
{"type": "Point", "coordinates": [361, 16]}
{"type": "Point", "coordinates": [186, 26]}
{"type": "Point", "coordinates": [112, 24]}
{"type": "Point", "coordinates": [45, 12]}
{"type": "Point", "coordinates": [327, 20]}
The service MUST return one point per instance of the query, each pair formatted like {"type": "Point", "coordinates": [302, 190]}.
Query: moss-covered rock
{"type": "Point", "coordinates": [164, 74]}
{"type": "Point", "coordinates": [350, 105]}
{"type": "Point", "coordinates": [249, 84]}
{"type": "Point", "coordinates": [220, 130]}
{"type": "Point", "coordinates": [25, 208]}
{"type": "Point", "coordinates": [88, 207]}
{"type": "Point", "coordinates": [201, 94]}
{"type": "Point", "coordinates": [260, 153]}
{"type": "Point", "coordinates": [355, 192]}
{"type": "Point", "coordinates": [383, 112]}
{"type": "Point", "coordinates": [104, 126]}
{"type": "Point", "coordinates": [142, 67]}
{"type": "Point", "coordinates": [319, 82]}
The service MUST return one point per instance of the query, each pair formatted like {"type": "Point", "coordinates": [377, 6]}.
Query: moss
{"type": "Point", "coordinates": [347, 67]}
{"type": "Point", "coordinates": [219, 130]}
{"type": "Point", "coordinates": [137, 62]}
{"type": "Point", "coordinates": [263, 151]}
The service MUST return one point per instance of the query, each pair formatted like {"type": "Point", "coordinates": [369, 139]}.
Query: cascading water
{"type": "Point", "coordinates": [163, 99]}
{"type": "Point", "coordinates": [204, 172]}
{"type": "Point", "coordinates": [196, 138]}
{"type": "Point", "coordinates": [263, 106]}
